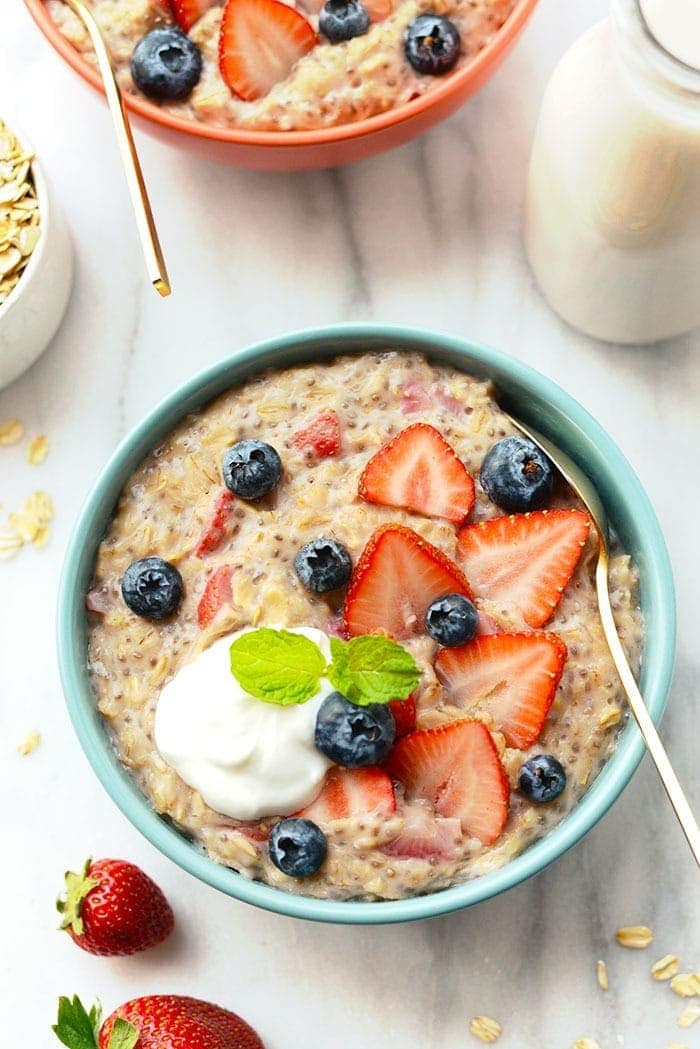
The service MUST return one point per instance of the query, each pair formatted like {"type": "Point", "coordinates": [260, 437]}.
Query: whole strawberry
{"type": "Point", "coordinates": [158, 1021]}
{"type": "Point", "coordinates": [113, 908]}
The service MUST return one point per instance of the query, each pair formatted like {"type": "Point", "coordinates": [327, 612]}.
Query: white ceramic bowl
{"type": "Point", "coordinates": [32, 312]}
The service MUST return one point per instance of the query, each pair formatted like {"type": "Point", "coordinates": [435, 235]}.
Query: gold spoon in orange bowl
{"type": "Point", "coordinates": [586, 491]}
{"type": "Point", "coordinates": [145, 223]}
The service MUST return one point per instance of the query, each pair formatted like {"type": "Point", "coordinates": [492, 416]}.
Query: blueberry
{"type": "Point", "coordinates": [451, 620]}
{"type": "Point", "coordinates": [297, 847]}
{"type": "Point", "coordinates": [354, 736]}
{"type": "Point", "coordinates": [432, 44]}
{"type": "Point", "coordinates": [251, 469]}
{"type": "Point", "coordinates": [542, 778]}
{"type": "Point", "coordinates": [323, 565]}
{"type": "Point", "coordinates": [342, 20]}
{"type": "Point", "coordinates": [152, 588]}
{"type": "Point", "coordinates": [517, 475]}
{"type": "Point", "coordinates": [166, 64]}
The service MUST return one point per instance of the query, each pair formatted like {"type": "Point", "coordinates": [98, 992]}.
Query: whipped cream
{"type": "Point", "coordinates": [247, 758]}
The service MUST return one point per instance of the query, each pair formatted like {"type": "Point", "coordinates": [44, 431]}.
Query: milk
{"type": "Point", "coordinates": [612, 218]}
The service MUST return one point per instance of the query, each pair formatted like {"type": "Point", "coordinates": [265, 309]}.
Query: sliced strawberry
{"type": "Point", "coordinates": [524, 561]}
{"type": "Point", "coordinates": [419, 471]}
{"type": "Point", "coordinates": [378, 10]}
{"type": "Point", "coordinates": [187, 12]}
{"type": "Point", "coordinates": [352, 792]}
{"type": "Point", "coordinates": [404, 711]}
{"type": "Point", "coordinates": [217, 593]}
{"type": "Point", "coordinates": [457, 769]}
{"type": "Point", "coordinates": [425, 836]}
{"type": "Point", "coordinates": [321, 436]}
{"type": "Point", "coordinates": [415, 397]}
{"type": "Point", "coordinates": [396, 578]}
{"type": "Point", "coordinates": [514, 677]}
{"type": "Point", "coordinates": [261, 41]}
{"type": "Point", "coordinates": [215, 530]}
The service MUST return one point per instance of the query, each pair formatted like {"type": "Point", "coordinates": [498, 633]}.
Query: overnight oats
{"type": "Point", "coordinates": [343, 631]}
{"type": "Point", "coordinates": [268, 65]}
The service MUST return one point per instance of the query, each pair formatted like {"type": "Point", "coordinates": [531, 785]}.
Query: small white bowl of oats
{"type": "Point", "coordinates": [36, 258]}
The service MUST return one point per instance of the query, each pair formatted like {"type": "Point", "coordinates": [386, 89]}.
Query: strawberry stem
{"type": "Point", "coordinates": [69, 905]}
{"type": "Point", "coordinates": [75, 1027]}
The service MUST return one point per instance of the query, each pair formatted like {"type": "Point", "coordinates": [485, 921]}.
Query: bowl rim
{"type": "Point", "coordinates": [44, 206]}
{"type": "Point", "coordinates": [288, 139]}
{"type": "Point", "coordinates": [206, 384]}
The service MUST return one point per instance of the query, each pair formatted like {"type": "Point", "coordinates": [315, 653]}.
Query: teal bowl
{"type": "Point", "coordinates": [537, 401]}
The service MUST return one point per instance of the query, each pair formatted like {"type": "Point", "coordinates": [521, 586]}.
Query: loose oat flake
{"type": "Point", "coordinates": [676, 1045]}
{"type": "Point", "coordinates": [29, 744]}
{"type": "Point", "coordinates": [37, 449]}
{"type": "Point", "coordinates": [602, 973]}
{"type": "Point", "coordinates": [687, 985]}
{"type": "Point", "coordinates": [11, 431]}
{"type": "Point", "coordinates": [635, 936]}
{"type": "Point", "coordinates": [485, 1028]}
{"type": "Point", "coordinates": [10, 542]}
{"type": "Point", "coordinates": [689, 1015]}
{"type": "Point", "coordinates": [665, 968]}
{"type": "Point", "coordinates": [19, 211]}
{"type": "Point", "coordinates": [586, 1043]}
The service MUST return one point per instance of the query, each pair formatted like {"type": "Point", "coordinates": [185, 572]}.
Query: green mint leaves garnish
{"type": "Point", "coordinates": [280, 667]}
{"type": "Point", "coordinates": [277, 666]}
{"type": "Point", "coordinates": [372, 669]}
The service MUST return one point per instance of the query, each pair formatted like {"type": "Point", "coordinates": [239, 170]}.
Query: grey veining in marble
{"type": "Point", "coordinates": [429, 234]}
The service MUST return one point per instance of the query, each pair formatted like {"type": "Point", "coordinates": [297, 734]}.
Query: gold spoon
{"type": "Point", "coordinates": [155, 263]}
{"type": "Point", "coordinates": [586, 492]}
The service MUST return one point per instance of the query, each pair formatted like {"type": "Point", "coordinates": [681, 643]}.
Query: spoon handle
{"type": "Point", "coordinates": [145, 223]}
{"type": "Point", "coordinates": [673, 789]}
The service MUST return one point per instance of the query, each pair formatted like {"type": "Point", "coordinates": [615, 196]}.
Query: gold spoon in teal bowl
{"type": "Point", "coordinates": [588, 495]}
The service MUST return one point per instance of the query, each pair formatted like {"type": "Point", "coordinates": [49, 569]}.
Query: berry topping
{"type": "Point", "coordinates": [419, 471]}
{"type": "Point", "coordinates": [512, 677]}
{"type": "Point", "coordinates": [158, 1021]}
{"type": "Point", "coordinates": [297, 847]}
{"type": "Point", "coordinates": [378, 10]}
{"type": "Point", "coordinates": [321, 437]}
{"type": "Point", "coordinates": [166, 64]}
{"type": "Point", "coordinates": [424, 836]}
{"type": "Point", "coordinates": [352, 792]}
{"type": "Point", "coordinates": [251, 468]}
{"type": "Point", "coordinates": [215, 531]}
{"type": "Point", "coordinates": [432, 44]}
{"type": "Point", "coordinates": [542, 778]}
{"type": "Point", "coordinates": [517, 475]}
{"type": "Point", "coordinates": [404, 711]}
{"type": "Point", "coordinates": [152, 588]}
{"type": "Point", "coordinates": [451, 620]}
{"type": "Point", "coordinates": [523, 563]}
{"type": "Point", "coordinates": [354, 736]}
{"type": "Point", "coordinates": [396, 578]}
{"type": "Point", "coordinates": [187, 12]}
{"type": "Point", "coordinates": [217, 593]}
{"type": "Point", "coordinates": [113, 908]}
{"type": "Point", "coordinates": [260, 43]}
{"type": "Point", "coordinates": [457, 769]}
{"type": "Point", "coordinates": [342, 20]}
{"type": "Point", "coordinates": [323, 565]}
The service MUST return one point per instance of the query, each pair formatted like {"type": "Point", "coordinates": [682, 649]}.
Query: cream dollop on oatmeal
{"type": "Point", "coordinates": [247, 758]}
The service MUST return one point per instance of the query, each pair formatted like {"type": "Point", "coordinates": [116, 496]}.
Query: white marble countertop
{"type": "Point", "coordinates": [251, 255]}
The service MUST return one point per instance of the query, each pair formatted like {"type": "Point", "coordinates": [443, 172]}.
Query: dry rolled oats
{"type": "Point", "coordinates": [37, 449]}
{"type": "Point", "coordinates": [485, 1028]}
{"type": "Point", "coordinates": [687, 985]}
{"type": "Point", "coordinates": [586, 1043]}
{"type": "Point", "coordinates": [635, 936]}
{"type": "Point", "coordinates": [29, 744]}
{"type": "Point", "coordinates": [690, 1014]}
{"type": "Point", "coordinates": [11, 431]}
{"type": "Point", "coordinates": [665, 968]}
{"type": "Point", "coordinates": [10, 542]}
{"type": "Point", "coordinates": [19, 211]}
{"type": "Point", "coordinates": [602, 973]}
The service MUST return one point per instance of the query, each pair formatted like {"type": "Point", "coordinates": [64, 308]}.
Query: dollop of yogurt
{"type": "Point", "coordinates": [247, 758]}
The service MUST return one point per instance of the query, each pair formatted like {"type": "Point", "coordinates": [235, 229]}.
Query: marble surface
{"type": "Point", "coordinates": [429, 234]}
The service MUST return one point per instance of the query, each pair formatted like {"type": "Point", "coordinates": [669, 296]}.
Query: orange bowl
{"type": "Point", "coordinates": [303, 150]}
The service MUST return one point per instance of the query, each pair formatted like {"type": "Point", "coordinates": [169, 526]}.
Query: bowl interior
{"type": "Point", "coordinates": [538, 401]}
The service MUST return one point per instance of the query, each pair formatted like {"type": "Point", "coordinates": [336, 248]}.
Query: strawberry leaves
{"type": "Point", "coordinates": [70, 904]}
{"type": "Point", "coordinates": [79, 1029]}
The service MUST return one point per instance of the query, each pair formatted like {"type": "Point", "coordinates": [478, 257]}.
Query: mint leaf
{"type": "Point", "coordinates": [372, 669]}
{"type": "Point", "coordinates": [277, 666]}
{"type": "Point", "coordinates": [124, 1035]}
{"type": "Point", "coordinates": [75, 1027]}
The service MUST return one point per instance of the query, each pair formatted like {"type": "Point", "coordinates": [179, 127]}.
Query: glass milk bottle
{"type": "Point", "coordinates": [612, 221]}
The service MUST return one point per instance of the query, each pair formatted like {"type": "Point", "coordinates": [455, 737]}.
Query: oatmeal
{"type": "Point", "coordinates": [338, 451]}
{"type": "Point", "coordinates": [312, 80]}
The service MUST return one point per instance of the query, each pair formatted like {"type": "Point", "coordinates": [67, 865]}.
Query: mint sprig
{"type": "Point", "coordinates": [278, 666]}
